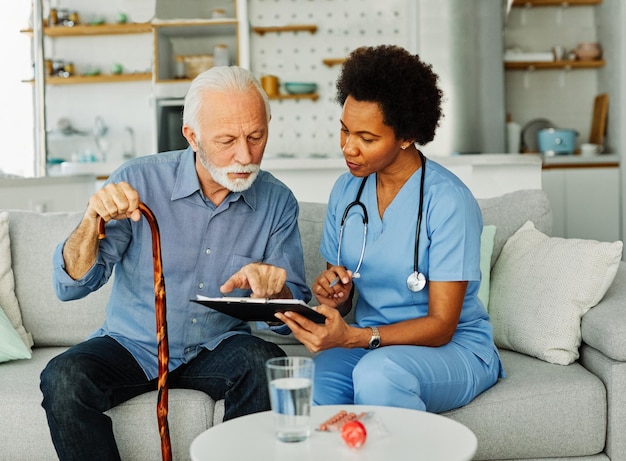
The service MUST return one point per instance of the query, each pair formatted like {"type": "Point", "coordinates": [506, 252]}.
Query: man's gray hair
{"type": "Point", "coordinates": [224, 79]}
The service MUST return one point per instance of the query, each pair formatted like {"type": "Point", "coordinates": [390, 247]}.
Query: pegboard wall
{"type": "Point", "coordinates": [305, 128]}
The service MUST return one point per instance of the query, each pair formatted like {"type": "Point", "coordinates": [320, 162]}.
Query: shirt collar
{"type": "Point", "coordinates": [187, 182]}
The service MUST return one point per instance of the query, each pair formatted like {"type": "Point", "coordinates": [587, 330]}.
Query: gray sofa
{"type": "Point", "coordinates": [541, 410]}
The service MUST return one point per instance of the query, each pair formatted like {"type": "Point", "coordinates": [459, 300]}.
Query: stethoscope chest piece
{"type": "Point", "coordinates": [416, 282]}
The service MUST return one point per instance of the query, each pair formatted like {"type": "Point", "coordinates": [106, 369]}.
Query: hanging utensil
{"type": "Point", "coordinates": [65, 127]}
{"type": "Point", "coordinates": [161, 329]}
{"type": "Point", "coordinates": [99, 132]}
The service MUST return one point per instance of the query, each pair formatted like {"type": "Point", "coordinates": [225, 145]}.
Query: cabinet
{"type": "Point", "coordinates": [111, 68]}
{"type": "Point", "coordinates": [585, 201]}
{"type": "Point", "coordinates": [189, 28]}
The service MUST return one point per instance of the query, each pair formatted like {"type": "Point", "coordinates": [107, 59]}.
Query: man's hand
{"type": "Point", "coordinates": [265, 281]}
{"type": "Point", "coordinates": [115, 201]}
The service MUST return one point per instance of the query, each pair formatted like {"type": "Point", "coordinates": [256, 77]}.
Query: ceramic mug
{"type": "Point", "coordinates": [270, 84]}
{"type": "Point", "coordinates": [589, 149]}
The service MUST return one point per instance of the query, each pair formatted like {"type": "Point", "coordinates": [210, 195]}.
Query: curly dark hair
{"type": "Point", "coordinates": [404, 87]}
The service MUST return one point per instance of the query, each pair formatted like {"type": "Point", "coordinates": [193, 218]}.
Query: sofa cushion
{"type": "Point", "coordinates": [604, 326]}
{"type": "Point", "coordinates": [541, 287]}
{"type": "Point", "coordinates": [311, 226]}
{"type": "Point", "coordinates": [486, 250]}
{"type": "Point", "coordinates": [539, 410]}
{"type": "Point", "coordinates": [51, 322]}
{"type": "Point", "coordinates": [23, 420]}
{"type": "Point", "coordinates": [8, 300]}
{"type": "Point", "coordinates": [134, 422]}
{"type": "Point", "coordinates": [510, 211]}
{"type": "Point", "coordinates": [136, 428]}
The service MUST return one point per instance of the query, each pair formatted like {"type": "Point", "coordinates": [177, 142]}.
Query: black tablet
{"type": "Point", "coordinates": [259, 309]}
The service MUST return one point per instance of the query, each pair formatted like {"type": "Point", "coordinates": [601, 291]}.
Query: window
{"type": "Point", "coordinates": [17, 155]}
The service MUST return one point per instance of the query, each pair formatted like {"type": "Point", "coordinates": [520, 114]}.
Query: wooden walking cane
{"type": "Point", "coordinates": [161, 327]}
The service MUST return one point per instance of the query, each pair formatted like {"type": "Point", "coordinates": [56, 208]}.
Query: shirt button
{"type": "Point", "coordinates": [193, 320]}
{"type": "Point", "coordinates": [208, 251]}
{"type": "Point", "coordinates": [200, 285]}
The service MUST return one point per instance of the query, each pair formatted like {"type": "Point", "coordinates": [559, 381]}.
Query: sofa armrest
{"type": "Point", "coordinates": [604, 326]}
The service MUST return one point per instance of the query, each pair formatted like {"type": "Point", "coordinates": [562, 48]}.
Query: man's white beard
{"type": "Point", "coordinates": [220, 175]}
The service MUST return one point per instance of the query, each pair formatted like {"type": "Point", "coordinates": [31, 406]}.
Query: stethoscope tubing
{"type": "Point", "coordinates": [416, 280]}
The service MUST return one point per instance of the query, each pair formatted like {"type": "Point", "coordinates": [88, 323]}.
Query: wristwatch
{"type": "Point", "coordinates": [375, 339]}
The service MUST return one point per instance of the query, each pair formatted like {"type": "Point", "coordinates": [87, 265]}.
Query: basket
{"type": "Point", "coordinates": [195, 64]}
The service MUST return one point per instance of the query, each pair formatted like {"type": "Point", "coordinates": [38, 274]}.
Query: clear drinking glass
{"type": "Point", "coordinates": [290, 381]}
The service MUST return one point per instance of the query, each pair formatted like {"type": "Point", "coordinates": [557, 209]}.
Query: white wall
{"type": "Point", "coordinates": [301, 128]}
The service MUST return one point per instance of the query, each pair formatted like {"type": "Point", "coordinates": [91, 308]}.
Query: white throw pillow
{"type": "Point", "coordinates": [542, 286]}
{"type": "Point", "coordinates": [8, 300]}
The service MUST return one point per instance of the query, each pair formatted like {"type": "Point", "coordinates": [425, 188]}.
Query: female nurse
{"type": "Point", "coordinates": [404, 233]}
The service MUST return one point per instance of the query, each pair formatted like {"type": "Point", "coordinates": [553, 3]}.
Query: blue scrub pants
{"type": "Point", "coordinates": [433, 379]}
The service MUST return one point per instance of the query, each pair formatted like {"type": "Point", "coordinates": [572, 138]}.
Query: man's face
{"type": "Point", "coordinates": [231, 138]}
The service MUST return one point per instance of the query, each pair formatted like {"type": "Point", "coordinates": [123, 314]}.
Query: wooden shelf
{"type": "Point", "coordinates": [539, 65]}
{"type": "Point", "coordinates": [81, 30]}
{"type": "Point", "coordinates": [162, 23]}
{"type": "Point", "coordinates": [523, 3]}
{"type": "Point", "coordinates": [312, 28]}
{"type": "Point", "coordinates": [312, 96]}
{"type": "Point", "coordinates": [330, 62]}
{"type": "Point", "coordinates": [109, 78]}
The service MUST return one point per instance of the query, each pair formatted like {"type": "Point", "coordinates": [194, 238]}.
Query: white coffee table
{"type": "Point", "coordinates": [401, 435]}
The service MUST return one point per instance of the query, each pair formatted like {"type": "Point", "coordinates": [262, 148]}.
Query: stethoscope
{"type": "Point", "coordinates": [416, 281]}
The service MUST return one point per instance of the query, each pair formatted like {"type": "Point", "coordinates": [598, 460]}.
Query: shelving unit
{"type": "Point", "coordinates": [81, 30]}
{"type": "Point", "coordinates": [294, 28]}
{"type": "Point", "coordinates": [566, 3]}
{"type": "Point", "coordinates": [330, 62]}
{"type": "Point", "coordinates": [181, 37]}
{"type": "Point", "coordinates": [186, 28]}
{"type": "Point", "coordinates": [92, 49]}
{"type": "Point", "coordinates": [312, 96]}
{"type": "Point", "coordinates": [583, 192]}
{"type": "Point", "coordinates": [191, 28]}
{"type": "Point", "coordinates": [89, 30]}
{"type": "Point", "coordinates": [567, 65]}
{"type": "Point", "coordinates": [80, 79]}
{"type": "Point", "coordinates": [312, 28]}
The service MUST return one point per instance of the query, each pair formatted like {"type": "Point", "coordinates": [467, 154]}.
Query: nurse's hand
{"type": "Point", "coordinates": [335, 332]}
{"type": "Point", "coordinates": [333, 286]}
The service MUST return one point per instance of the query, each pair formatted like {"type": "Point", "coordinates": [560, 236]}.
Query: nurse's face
{"type": "Point", "coordinates": [368, 145]}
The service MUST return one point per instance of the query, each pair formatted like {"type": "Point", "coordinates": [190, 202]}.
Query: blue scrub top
{"type": "Point", "coordinates": [449, 250]}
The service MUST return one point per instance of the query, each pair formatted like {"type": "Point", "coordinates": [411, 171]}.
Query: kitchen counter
{"type": "Point", "coordinates": [487, 175]}
{"type": "Point", "coordinates": [69, 193]}
{"type": "Point", "coordinates": [312, 178]}
{"type": "Point", "coordinates": [579, 161]}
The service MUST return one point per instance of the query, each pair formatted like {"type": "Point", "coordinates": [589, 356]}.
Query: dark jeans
{"type": "Point", "coordinates": [91, 377]}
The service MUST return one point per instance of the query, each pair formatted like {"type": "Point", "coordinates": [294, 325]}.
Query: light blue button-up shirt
{"type": "Point", "coordinates": [202, 246]}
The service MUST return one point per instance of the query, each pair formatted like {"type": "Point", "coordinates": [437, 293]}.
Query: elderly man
{"type": "Point", "coordinates": [226, 227]}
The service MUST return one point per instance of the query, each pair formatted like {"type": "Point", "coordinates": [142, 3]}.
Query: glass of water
{"type": "Point", "coordinates": [290, 382]}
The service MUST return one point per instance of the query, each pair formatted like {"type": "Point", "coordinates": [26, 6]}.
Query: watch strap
{"type": "Point", "coordinates": [375, 338]}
